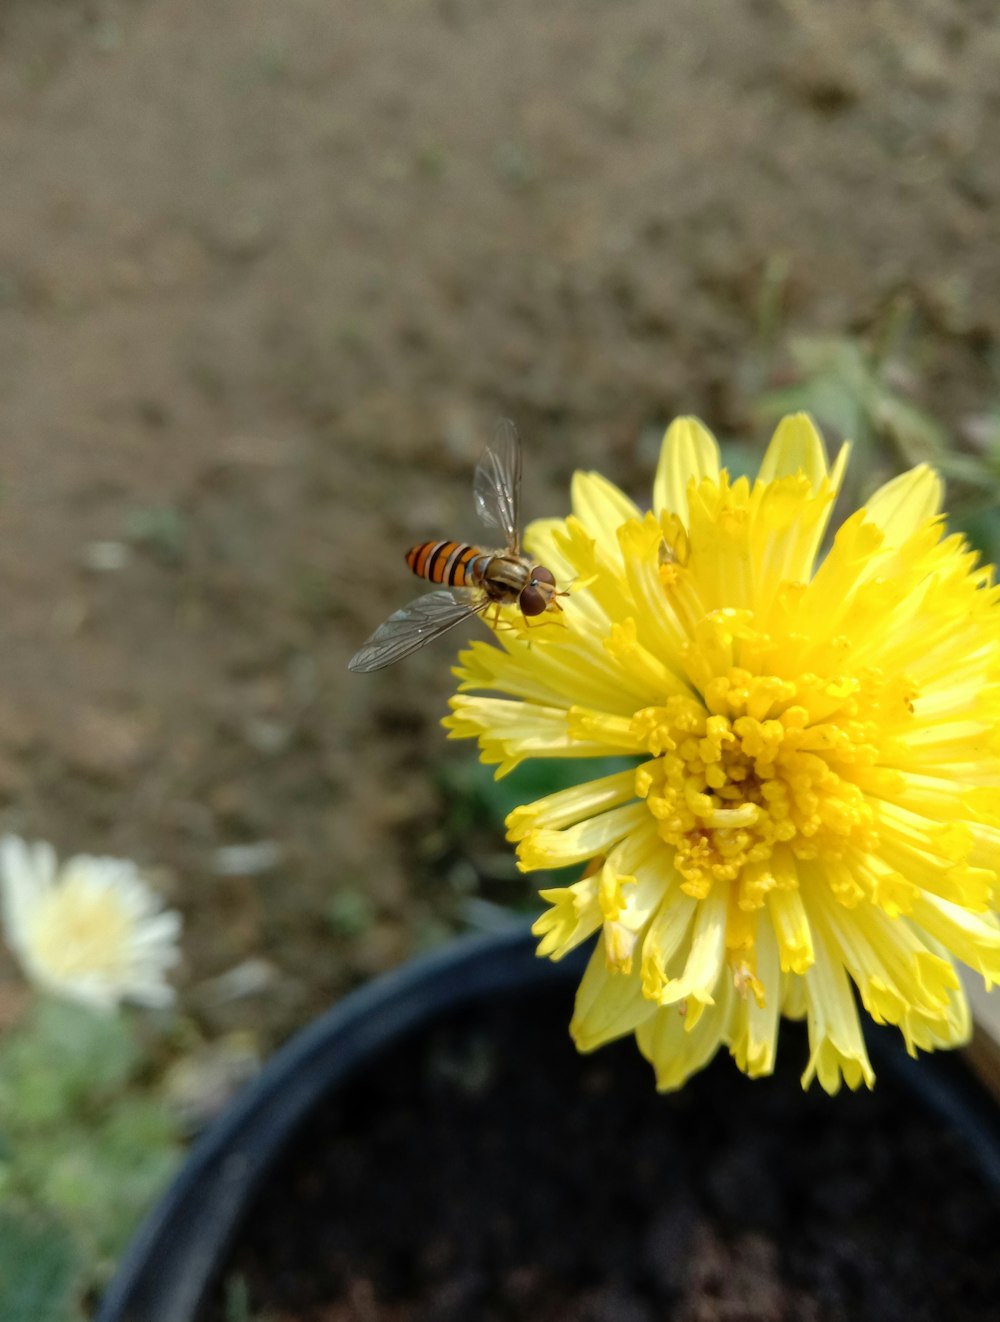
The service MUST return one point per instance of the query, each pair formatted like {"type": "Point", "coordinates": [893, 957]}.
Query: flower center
{"type": "Point", "coordinates": [81, 930]}
{"type": "Point", "coordinates": [760, 763]}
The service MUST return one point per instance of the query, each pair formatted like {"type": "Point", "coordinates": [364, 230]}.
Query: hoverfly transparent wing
{"type": "Point", "coordinates": [412, 627]}
{"type": "Point", "coordinates": [497, 484]}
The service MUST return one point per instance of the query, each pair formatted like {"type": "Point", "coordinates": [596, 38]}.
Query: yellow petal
{"type": "Point", "coordinates": [539, 540]}
{"type": "Point", "coordinates": [602, 509]}
{"type": "Point", "coordinates": [974, 938]}
{"type": "Point", "coordinates": [837, 1048]}
{"type": "Point", "coordinates": [574, 915]}
{"type": "Point", "coordinates": [705, 957]}
{"type": "Point", "coordinates": [676, 1048]}
{"type": "Point", "coordinates": [543, 848]}
{"type": "Point", "coordinates": [607, 1004]}
{"type": "Point", "coordinates": [570, 805]}
{"type": "Point", "coordinates": [665, 936]}
{"type": "Point", "coordinates": [756, 1044]}
{"type": "Point", "coordinates": [689, 451]}
{"type": "Point", "coordinates": [508, 732]}
{"type": "Point", "coordinates": [792, 929]}
{"type": "Point", "coordinates": [796, 447]}
{"type": "Point", "coordinates": [901, 506]}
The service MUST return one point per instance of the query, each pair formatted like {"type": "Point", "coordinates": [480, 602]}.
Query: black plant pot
{"type": "Point", "coordinates": [186, 1246]}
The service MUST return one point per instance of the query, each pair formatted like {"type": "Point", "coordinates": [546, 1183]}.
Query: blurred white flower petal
{"type": "Point", "coordinates": [91, 931]}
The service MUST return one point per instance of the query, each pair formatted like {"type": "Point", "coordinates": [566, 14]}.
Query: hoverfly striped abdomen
{"type": "Point", "coordinates": [452, 563]}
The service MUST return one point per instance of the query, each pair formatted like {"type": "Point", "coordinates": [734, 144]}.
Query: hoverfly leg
{"type": "Point", "coordinates": [540, 621]}
{"type": "Point", "coordinates": [497, 623]}
{"type": "Point", "coordinates": [546, 624]}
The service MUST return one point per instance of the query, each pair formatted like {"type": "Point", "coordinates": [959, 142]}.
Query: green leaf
{"type": "Point", "coordinates": [350, 912]}
{"type": "Point", "coordinates": [62, 1057]}
{"type": "Point", "coordinates": [162, 530]}
{"type": "Point", "coordinates": [982, 528]}
{"type": "Point", "coordinates": [740, 459]}
{"type": "Point", "coordinates": [919, 438]}
{"type": "Point", "coordinates": [39, 1269]}
{"type": "Point", "coordinates": [836, 385]}
{"type": "Point", "coordinates": [101, 1180]}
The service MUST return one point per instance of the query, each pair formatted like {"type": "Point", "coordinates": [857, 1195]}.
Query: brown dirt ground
{"type": "Point", "coordinates": [267, 274]}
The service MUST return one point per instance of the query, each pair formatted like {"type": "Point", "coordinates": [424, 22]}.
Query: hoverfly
{"type": "Point", "coordinates": [475, 579]}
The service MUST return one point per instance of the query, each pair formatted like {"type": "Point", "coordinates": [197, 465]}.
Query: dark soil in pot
{"type": "Point", "coordinates": [485, 1171]}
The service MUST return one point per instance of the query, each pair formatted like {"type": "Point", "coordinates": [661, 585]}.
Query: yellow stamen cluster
{"type": "Point", "coordinates": [748, 770]}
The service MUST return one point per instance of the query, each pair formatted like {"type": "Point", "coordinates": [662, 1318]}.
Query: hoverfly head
{"type": "Point", "coordinates": [540, 592]}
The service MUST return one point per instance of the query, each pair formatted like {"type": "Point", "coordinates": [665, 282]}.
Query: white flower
{"type": "Point", "coordinates": [91, 931]}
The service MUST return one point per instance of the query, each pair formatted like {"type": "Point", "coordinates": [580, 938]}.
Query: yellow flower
{"type": "Point", "coordinates": [90, 931]}
{"type": "Point", "coordinates": [815, 800]}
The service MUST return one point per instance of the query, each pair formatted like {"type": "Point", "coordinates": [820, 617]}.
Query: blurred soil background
{"type": "Point", "coordinates": [268, 274]}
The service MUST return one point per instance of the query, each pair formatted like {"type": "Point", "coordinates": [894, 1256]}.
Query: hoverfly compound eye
{"type": "Point", "coordinates": [540, 574]}
{"type": "Point", "coordinates": [532, 601]}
